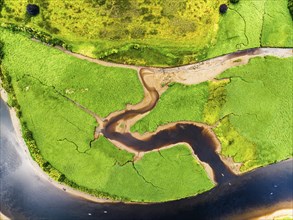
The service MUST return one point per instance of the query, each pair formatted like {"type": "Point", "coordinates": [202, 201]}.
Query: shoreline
{"type": "Point", "coordinates": [279, 214]}
{"type": "Point", "coordinates": [278, 211]}
{"type": "Point", "coordinates": [17, 127]}
{"type": "Point", "coordinates": [3, 217]}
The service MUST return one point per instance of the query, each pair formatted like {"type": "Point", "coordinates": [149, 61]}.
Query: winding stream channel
{"type": "Point", "coordinates": [26, 195]}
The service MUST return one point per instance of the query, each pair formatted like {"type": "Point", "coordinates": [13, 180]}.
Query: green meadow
{"type": "Point", "coordinates": [277, 32]}
{"type": "Point", "coordinates": [42, 77]}
{"type": "Point", "coordinates": [157, 33]}
{"type": "Point", "coordinates": [257, 129]}
{"type": "Point", "coordinates": [101, 89]}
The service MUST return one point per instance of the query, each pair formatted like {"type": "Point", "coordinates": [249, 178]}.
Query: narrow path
{"type": "Point", "coordinates": [279, 52]}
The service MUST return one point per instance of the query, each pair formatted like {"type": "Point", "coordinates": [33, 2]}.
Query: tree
{"type": "Point", "coordinates": [223, 8]}
{"type": "Point", "coordinates": [234, 1]}
{"type": "Point", "coordinates": [32, 9]}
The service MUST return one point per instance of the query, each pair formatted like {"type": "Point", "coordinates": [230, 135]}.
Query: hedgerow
{"type": "Point", "coordinates": [39, 35]}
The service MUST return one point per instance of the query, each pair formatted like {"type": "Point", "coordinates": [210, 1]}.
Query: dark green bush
{"type": "Point", "coordinates": [290, 7]}
{"type": "Point", "coordinates": [61, 178]}
{"type": "Point", "coordinates": [223, 8]}
{"type": "Point", "coordinates": [39, 35]}
{"type": "Point", "coordinates": [99, 2]}
{"type": "Point", "coordinates": [1, 5]}
{"type": "Point", "coordinates": [1, 51]}
{"type": "Point", "coordinates": [32, 9]}
{"type": "Point", "coordinates": [13, 103]}
{"type": "Point", "coordinates": [19, 113]}
{"type": "Point", "coordinates": [28, 135]}
{"type": "Point", "coordinates": [234, 1]}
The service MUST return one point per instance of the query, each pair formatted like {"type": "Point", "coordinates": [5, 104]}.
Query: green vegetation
{"type": "Point", "coordinates": [101, 89]}
{"type": "Point", "coordinates": [283, 218]}
{"type": "Point", "coordinates": [290, 7]}
{"type": "Point", "coordinates": [163, 33]}
{"type": "Point", "coordinates": [109, 29]}
{"type": "Point", "coordinates": [251, 24]}
{"type": "Point", "coordinates": [1, 5]}
{"type": "Point", "coordinates": [178, 103]}
{"type": "Point", "coordinates": [252, 103]}
{"type": "Point", "coordinates": [167, 180]}
{"type": "Point", "coordinates": [277, 32]}
{"type": "Point", "coordinates": [250, 106]}
{"type": "Point", "coordinates": [38, 35]}
{"type": "Point", "coordinates": [59, 134]}
{"type": "Point", "coordinates": [240, 28]}
{"type": "Point", "coordinates": [259, 107]}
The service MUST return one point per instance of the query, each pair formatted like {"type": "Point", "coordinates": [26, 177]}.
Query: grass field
{"type": "Point", "coordinates": [101, 89]}
{"type": "Point", "coordinates": [260, 98]}
{"type": "Point", "coordinates": [159, 33]}
{"type": "Point", "coordinates": [240, 28]}
{"type": "Point", "coordinates": [253, 105]}
{"type": "Point", "coordinates": [277, 32]}
{"type": "Point", "coordinates": [63, 132]}
{"type": "Point", "coordinates": [165, 174]}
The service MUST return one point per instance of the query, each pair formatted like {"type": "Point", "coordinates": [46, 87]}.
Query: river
{"type": "Point", "coordinates": [26, 195]}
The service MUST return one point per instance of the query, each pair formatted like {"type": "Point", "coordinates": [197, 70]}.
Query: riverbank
{"type": "Point", "coordinates": [279, 211]}
{"type": "Point", "coordinates": [17, 127]}
{"type": "Point", "coordinates": [279, 215]}
{"type": "Point", "coordinates": [3, 217]}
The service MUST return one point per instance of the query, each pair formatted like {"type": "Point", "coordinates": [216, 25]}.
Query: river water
{"type": "Point", "coordinates": [25, 195]}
